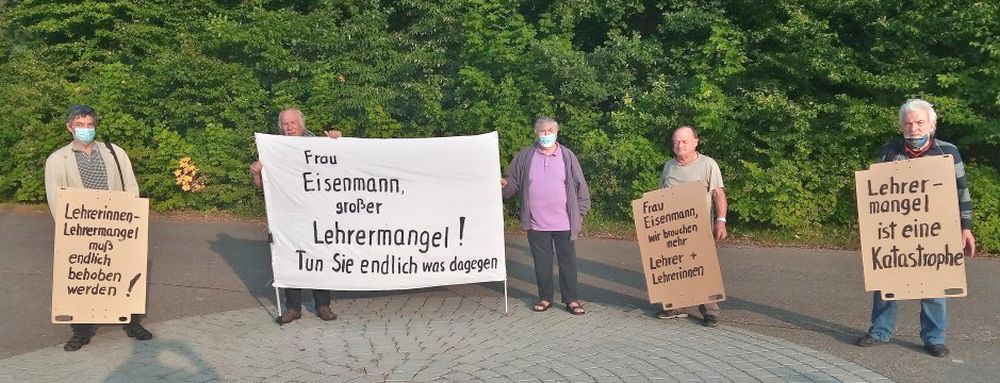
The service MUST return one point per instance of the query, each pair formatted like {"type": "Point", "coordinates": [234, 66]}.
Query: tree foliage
{"type": "Point", "coordinates": [790, 97]}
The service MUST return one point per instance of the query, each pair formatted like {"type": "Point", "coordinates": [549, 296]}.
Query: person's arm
{"type": "Point", "coordinates": [512, 182]}
{"type": "Point", "coordinates": [582, 191]}
{"type": "Point", "coordinates": [255, 170]}
{"type": "Point", "coordinates": [968, 243]}
{"type": "Point", "coordinates": [964, 205]}
{"type": "Point", "coordinates": [52, 182]}
{"type": "Point", "coordinates": [721, 208]}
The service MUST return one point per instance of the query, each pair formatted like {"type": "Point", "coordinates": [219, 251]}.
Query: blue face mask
{"type": "Point", "coordinates": [85, 135]}
{"type": "Point", "coordinates": [547, 141]}
{"type": "Point", "coordinates": [917, 142]}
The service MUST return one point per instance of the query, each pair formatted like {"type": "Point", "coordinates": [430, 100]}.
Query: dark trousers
{"type": "Point", "coordinates": [88, 329]}
{"type": "Point", "coordinates": [293, 298]}
{"type": "Point", "coordinates": [542, 244]}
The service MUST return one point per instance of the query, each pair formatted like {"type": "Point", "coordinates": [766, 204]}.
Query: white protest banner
{"type": "Point", "coordinates": [676, 245]}
{"type": "Point", "coordinates": [911, 234]}
{"type": "Point", "coordinates": [383, 214]}
{"type": "Point", "coordinates": [99, 260]}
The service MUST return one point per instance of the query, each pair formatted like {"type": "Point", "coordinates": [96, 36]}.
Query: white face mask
{"type": "Point", "coordinates": [547, 140]}
{"type": "Point", "coordinates": [85, 135]}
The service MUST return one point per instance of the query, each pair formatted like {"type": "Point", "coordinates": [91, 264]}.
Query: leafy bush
{"type": "Point", "coordinates": [790, 97]}
{"type": "Point", "coordinates": [985, 188]}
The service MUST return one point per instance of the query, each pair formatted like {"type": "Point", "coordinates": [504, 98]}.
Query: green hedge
{"type": "Point", "coordinates": [791, 97]}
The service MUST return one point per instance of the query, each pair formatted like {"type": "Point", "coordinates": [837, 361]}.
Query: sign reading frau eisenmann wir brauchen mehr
{"type": "Point", "coordinates": [679, 258]}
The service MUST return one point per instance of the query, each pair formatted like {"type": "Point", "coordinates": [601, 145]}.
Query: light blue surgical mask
{"type": "Point", "coordinates": [917, 142]}
{"type": "Point", "coordinates": [547, 141]}
{"type": "Point", "coordinates": [85, 135]}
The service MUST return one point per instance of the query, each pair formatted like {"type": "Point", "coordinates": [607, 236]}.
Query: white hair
{"type": "Point", "coordinates": [301, 116]}
{"type": "Point", "coordinates": [915, 104]}
{"type": "Point", "coordinates": [542, 121]}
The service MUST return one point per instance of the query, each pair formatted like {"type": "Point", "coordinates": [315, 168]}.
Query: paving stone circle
{"type": "Point", "coordinates": [426, 337]}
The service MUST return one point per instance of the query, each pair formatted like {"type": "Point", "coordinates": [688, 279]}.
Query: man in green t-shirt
{"type": "Point", "coordinates": [688, 166]}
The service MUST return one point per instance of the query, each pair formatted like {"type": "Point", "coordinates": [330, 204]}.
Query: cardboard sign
{"type": "Point", "coordinates": [677, 247]}
{"type": "Point", "coordinates": [383, 214]}
{"type": "Point", "coordinates": [99, 262]}
{"type": "Point", "coordinates": [911, 234]}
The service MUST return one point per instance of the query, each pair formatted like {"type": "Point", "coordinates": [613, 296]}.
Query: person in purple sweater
{"type": "Point", "coordinates": [554, 198]}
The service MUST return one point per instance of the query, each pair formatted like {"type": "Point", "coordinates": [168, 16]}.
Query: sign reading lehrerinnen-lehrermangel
{"type": "Point", "coordinates": [99, 260]}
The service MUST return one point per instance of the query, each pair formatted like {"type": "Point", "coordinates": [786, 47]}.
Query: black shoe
{"type": "Point", "coordinates": [76, 342]}
{"type": "Point", "coordinates": [937, 350]}
{"type": "Point", "coordinates": [709, 320]}
{"type": "Point", "coordinates": [868, 341]}
{"type": "Point", "coordinates": [137, 331]}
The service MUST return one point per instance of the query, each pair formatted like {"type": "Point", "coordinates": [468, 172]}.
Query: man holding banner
{"type": "Point", "coordinates": [688, 166]}
{"type": "Point", "coordinates": [918, 123]}
{"type": "Point", "coordinates": [554, 198]}
{"type": "Point", "coordinates": [293, 123]}
{"type": "Point", "coordinates": [85, 163]}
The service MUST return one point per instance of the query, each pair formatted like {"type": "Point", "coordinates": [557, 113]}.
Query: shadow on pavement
{"type": "Point", "coordinates": [588, 292]}
{"type": "Point", "coordinates": [634, 279]}
{"type": "Point", "coordinates": [839, 332]}
{"type": "Point", "coordinates": [249, 259]}
{"type": "Point", "coordinates": [167, 360]}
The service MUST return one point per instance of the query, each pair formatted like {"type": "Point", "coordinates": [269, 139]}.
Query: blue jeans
{"type": "Point", "coordinates": [933, 319]}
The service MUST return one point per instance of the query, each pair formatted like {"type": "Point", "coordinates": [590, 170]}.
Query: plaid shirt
{"type": "Point", "coordinates": [92, 171]}
{"type": "Point", "coordinates": [894, 151]}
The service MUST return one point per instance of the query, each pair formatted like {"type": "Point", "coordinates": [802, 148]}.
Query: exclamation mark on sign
{"type": "Point", "coordinates": [461, 229]}
{"type": "Point", "coordinates": [131, 284]}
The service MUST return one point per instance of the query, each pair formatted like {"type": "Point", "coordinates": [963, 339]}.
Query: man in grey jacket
{"type": "Point", "coordinates": [554, 198]}
{"type": "Point", "coordinates": [86, 163]}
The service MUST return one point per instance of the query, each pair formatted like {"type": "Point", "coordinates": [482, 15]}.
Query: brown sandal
{"type": "Point", "coordinates": [541, 305]}
{"type": "Point", "coordinates": [575, 308]}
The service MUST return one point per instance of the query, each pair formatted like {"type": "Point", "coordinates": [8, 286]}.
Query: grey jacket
{"type": "Point", "coordinates": [577, 193]}
{"type": "Point", "coordinates": [61, 171]}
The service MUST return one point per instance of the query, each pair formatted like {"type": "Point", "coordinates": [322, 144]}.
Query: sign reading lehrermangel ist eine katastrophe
{"type": "Point", "coordinates": [383, 214]}
{"type": "Point", "coordinates": [911, 234]}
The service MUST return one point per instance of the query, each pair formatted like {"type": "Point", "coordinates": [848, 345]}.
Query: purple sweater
{"type": "Point", "coordinates": [577, 193]}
